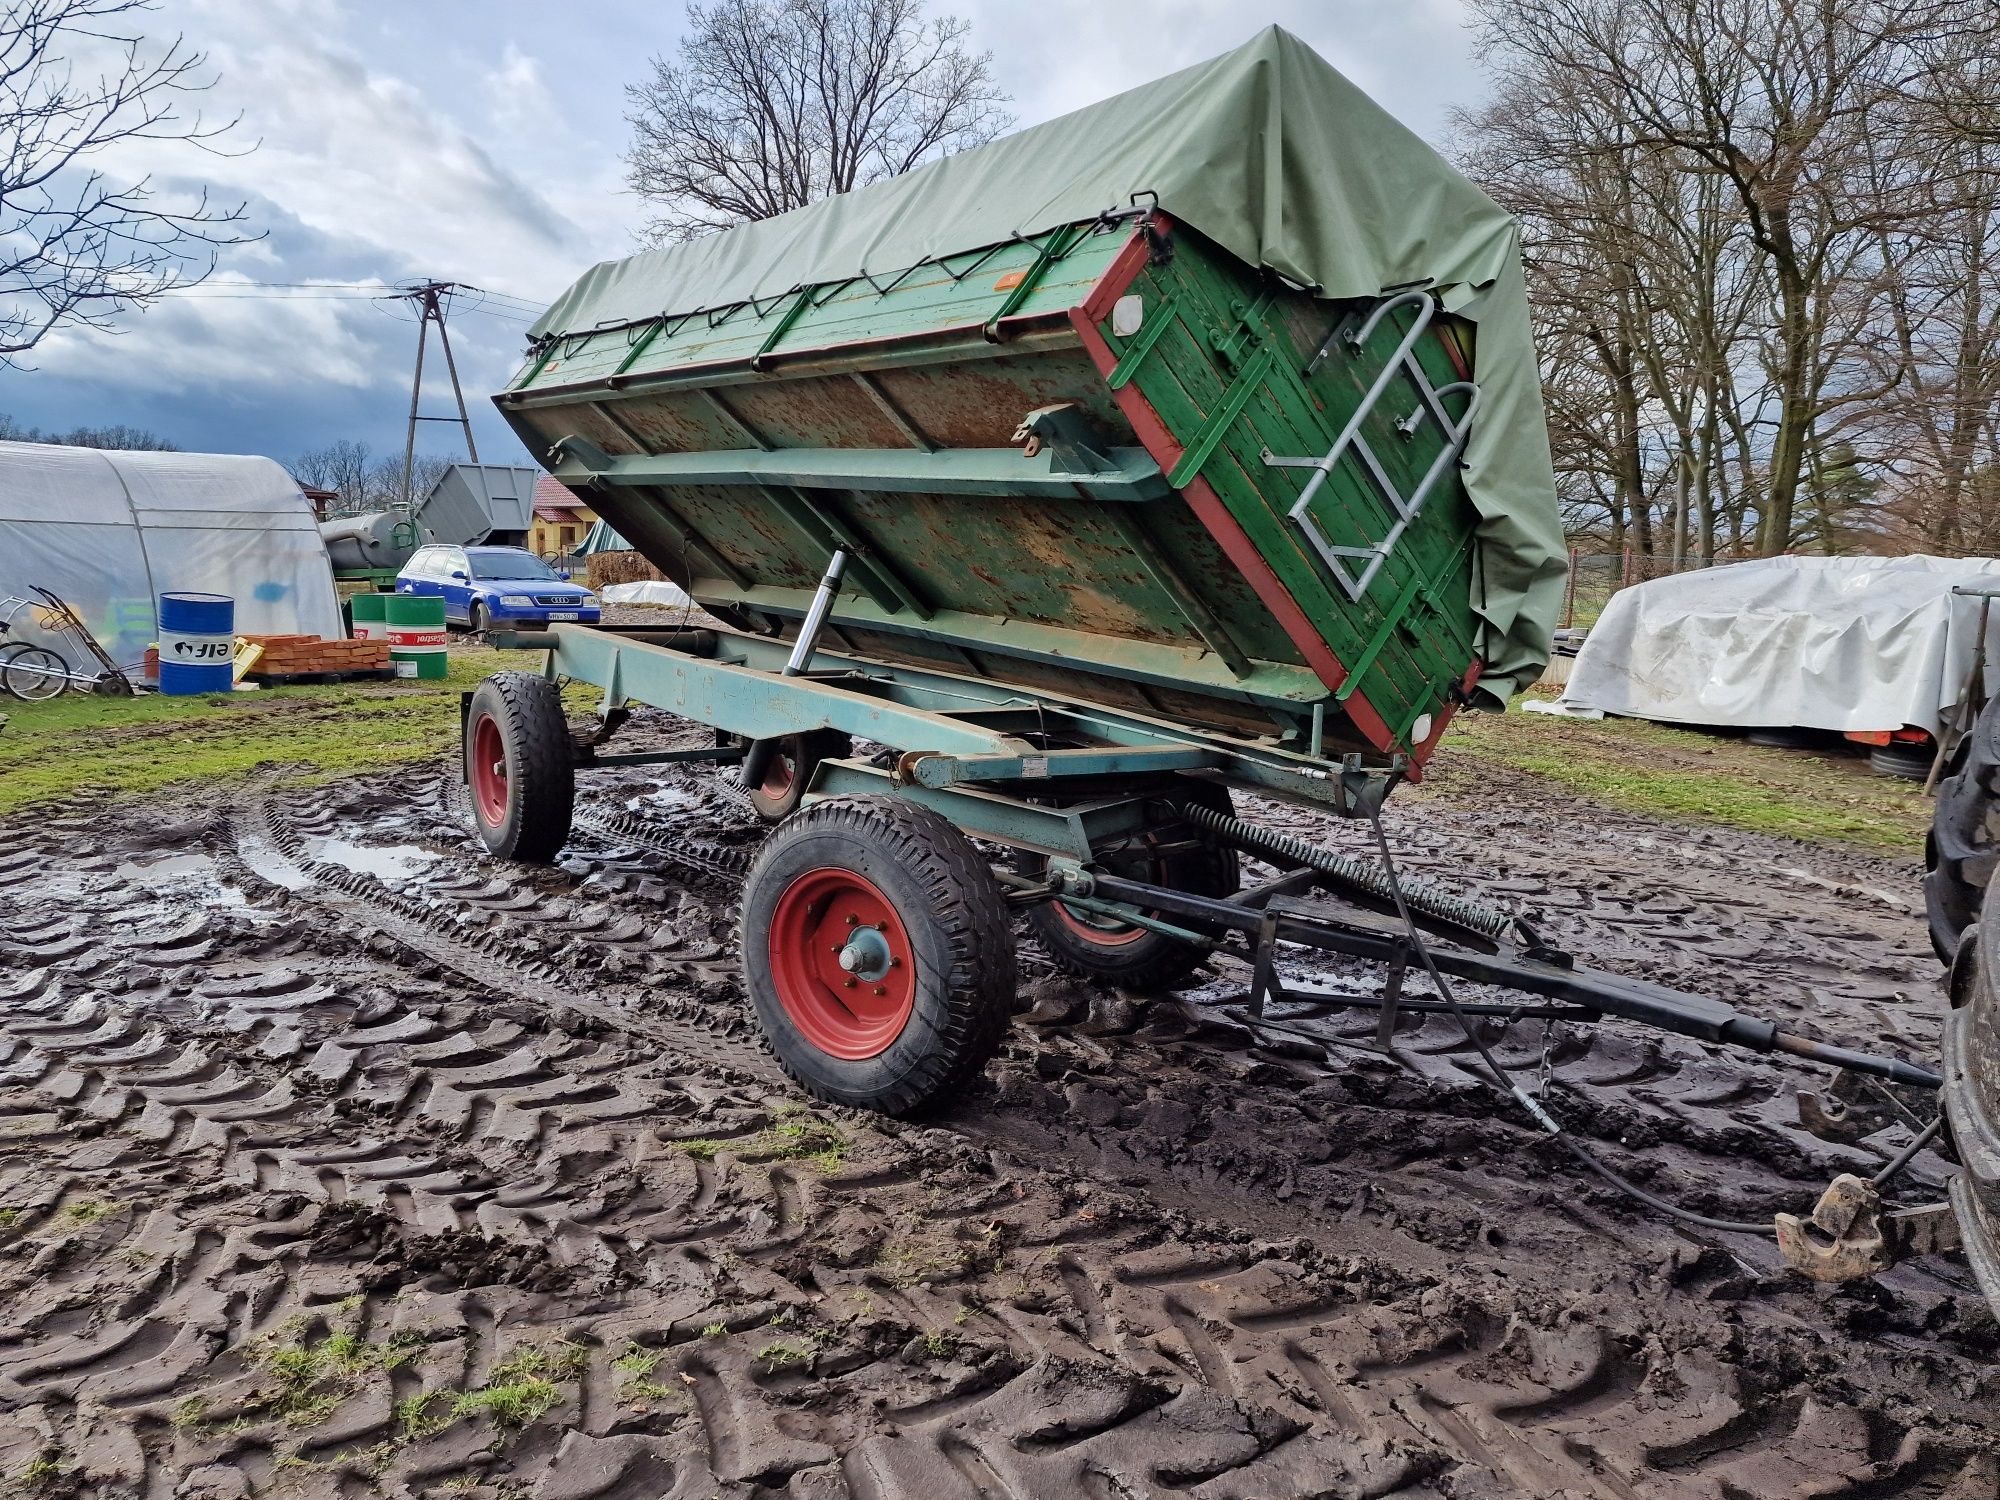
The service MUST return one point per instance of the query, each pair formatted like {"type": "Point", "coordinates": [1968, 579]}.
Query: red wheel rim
{"type": "Point", "coordinates": [1110, 935]}
{"type": "Point", "coordinates": [778, 777]}
{"type": "Point", "coordinates": [1107, 932]}
{"type": "Point", "coordinates": [854, 1010]}
{"type": "Point", "coordinates": [488, 771]}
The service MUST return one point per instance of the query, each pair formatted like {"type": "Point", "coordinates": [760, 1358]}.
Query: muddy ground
{"type": "Point", "coordinates": [337, 1161]}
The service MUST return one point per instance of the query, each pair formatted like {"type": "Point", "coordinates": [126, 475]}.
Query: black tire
{"type": "Point", "coordinates": [1905, 761]}
{"type": "Point", "coordinates": [1171, 855]}
{"type": "Point", "coordinates": [791, 768]}
{"type": "Point", "coordinates": [1972, 1100]}
{"type": "Point", "coordinates": [523, 812]}
{"type": "Point", "coordinates": [1780, 739]}
{"type": "Point", "coordinates": [475, 619]}
{"type": "Point", "coordinates": [950, 918]}
{"type": "Point", "coordinates": [1964, 842]}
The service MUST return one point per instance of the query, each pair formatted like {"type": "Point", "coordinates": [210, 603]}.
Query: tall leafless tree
{"type": "Point", "coordinates": [773, 104]}
{"type": "Point", "coordinates": [364, 482]}
{"type": "Point", "coordinates": [1740, 212]}
{"type": "Point", "coordinates": [79, 242]}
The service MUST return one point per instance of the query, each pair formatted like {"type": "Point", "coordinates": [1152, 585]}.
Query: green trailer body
{"type": "Point", "coordinates": [1109, 455]}
{"type": "Point", "coordinates": [1047, 497]}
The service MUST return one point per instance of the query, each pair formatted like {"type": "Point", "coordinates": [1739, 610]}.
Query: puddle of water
{"type": "Point", "coordinates": [177, 872]}
{"type": "Point", "coordinates": [270, 864]}
{"type": "Point", "coordinates": [163, 871]}
{"type": "Point", "coordinates": [383, 861]}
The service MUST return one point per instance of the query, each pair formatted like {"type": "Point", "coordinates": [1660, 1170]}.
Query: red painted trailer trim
{"type": "Point", "coordinates": [1204, 502]}
{"type": "Point", "coordinates": [1154, 436]}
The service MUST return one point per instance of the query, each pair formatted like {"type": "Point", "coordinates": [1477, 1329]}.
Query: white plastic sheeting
{"type": "Point", "coordinates": [1843, 643]}
{"type": "Point", "coordinates": [111, 531]}
{"type": "Point", "coordinates": [644, 591]}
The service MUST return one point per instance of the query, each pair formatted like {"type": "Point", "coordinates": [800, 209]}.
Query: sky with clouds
{"type": "Point", "coordinates": [478, 141]}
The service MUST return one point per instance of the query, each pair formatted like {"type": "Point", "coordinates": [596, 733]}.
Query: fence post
{"type": "Point", "coordinates": [1569, 593]}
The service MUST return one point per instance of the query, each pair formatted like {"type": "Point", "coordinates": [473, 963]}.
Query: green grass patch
{"type": "Point", "coordinates": [1683, 775]}
{"type": "Point", "coordinates": [89, 747]}
{"type": "Point", "coordinates": [47, 1471]}
{"type": "Point", "coordinates": [517, 1391]}
{"type": "Point", "coordinates": [308, 1378]}
{"type": "Point", "coordinates": [796, 1135]}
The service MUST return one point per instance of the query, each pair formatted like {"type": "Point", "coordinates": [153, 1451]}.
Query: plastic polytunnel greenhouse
{"type": "Point", "coordinates": [111, 531]}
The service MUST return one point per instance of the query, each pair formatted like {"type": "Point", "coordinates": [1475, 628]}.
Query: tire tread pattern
{"type": "Point", "coordinates": [966, 905]}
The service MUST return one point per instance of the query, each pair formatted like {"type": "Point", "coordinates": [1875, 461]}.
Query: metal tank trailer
{"type": "Point", "coordinates": [470, 504]}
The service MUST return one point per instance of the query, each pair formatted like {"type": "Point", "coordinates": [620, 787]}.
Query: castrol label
{"type": "Point", "coordinates": [420, 639]}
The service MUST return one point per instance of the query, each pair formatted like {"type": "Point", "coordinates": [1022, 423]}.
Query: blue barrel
{"type": "Point", "coordinates": [197, 642]}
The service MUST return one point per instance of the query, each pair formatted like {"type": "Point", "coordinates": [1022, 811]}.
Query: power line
{"type": "Point", "coordinates": [360, 290]}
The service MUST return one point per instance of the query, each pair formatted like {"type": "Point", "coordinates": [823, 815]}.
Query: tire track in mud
{"type": "Point", "coordinates": [1455, 1437]}
{"type": "Point", "coordinates": [921, 1317]}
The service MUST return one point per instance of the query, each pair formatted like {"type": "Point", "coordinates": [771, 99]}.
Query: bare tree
{"type": "Point", "coordinates": [364, 482]}
{"type": "Point", "coordinates": [118, 435]}
{"type": "Point", "coordinates": [77, 244]}
{"type": "Point", "coordinates": [341, 466]}
{"type": "Point", "coordinates": [773, 104]}
{"type": "Point", "coordinates": [1737, 211]}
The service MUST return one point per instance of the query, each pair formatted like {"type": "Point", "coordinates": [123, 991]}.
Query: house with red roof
{"type": "Point", "coordinates": [562, 519]}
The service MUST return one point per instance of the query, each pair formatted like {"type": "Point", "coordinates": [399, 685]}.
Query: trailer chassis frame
{"type": "Point", "coordinates": [1071, 781]}
{"type": "Point", "coordinates": [1078, 783]}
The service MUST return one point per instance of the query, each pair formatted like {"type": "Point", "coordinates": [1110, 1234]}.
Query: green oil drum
{"type": "Point", "coordinates": [415, 625]}
{"type": "Point", "coordinates": [370, 613]}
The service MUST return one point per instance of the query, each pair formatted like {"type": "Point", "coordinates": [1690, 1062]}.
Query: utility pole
{"type": "Point", "coordinates": [429, 300]}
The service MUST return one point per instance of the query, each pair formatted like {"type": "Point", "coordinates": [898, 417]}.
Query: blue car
{"type": "Point", "coordinates": [484, 587]}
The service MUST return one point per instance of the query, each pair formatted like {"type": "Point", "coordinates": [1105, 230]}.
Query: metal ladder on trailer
{"type": "Point", "coordinates": [1430, 407]}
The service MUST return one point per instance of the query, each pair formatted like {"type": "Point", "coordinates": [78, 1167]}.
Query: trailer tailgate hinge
{"type": "Point", "coordinates": [1065, 432]}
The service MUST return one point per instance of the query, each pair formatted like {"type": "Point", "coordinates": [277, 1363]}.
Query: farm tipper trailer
{"type": "Point", "coordinates": [1041, 500]}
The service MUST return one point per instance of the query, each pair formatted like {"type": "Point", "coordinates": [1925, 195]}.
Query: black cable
{"type": "Point", "coordinates": [1526, 1100]}
{"type": "Point", "coordinates": [1909, 1153]}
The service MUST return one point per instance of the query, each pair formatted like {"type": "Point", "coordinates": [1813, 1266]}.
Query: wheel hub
{"type": "Point", "coordinates": [867, 955]}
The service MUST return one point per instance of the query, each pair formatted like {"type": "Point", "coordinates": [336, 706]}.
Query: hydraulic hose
{"type": "Point", "coordinates": [1526, 1100]}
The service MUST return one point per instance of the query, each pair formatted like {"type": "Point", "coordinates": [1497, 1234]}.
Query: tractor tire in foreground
{"type": "Point", "coordinates": [1972, 1099]}
{"type": "Point", "coordinates": [520, 768]}
{"type": "Point", "coordinates": [877, 952]}
{"type": "Point", "coordinates": [1964, 841]}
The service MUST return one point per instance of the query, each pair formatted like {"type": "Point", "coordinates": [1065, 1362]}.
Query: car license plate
{"type": "Point", "coordinates": [562, 614]}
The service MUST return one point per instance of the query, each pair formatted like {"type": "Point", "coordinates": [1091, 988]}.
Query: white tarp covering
{"type": "Point", "coordinates": [111, 531]}
{"type": "Point", "coordinates": [645, 591]}
{"type": "Point", "coordinates": [1840, 643]}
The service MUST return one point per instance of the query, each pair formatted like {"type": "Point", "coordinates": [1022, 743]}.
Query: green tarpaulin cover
{"type": "Point", "coordinates": [1272, 154]}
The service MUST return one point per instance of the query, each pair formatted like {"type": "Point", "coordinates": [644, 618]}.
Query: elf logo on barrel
{"type": "Point", "coordinates": [416, 635]}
